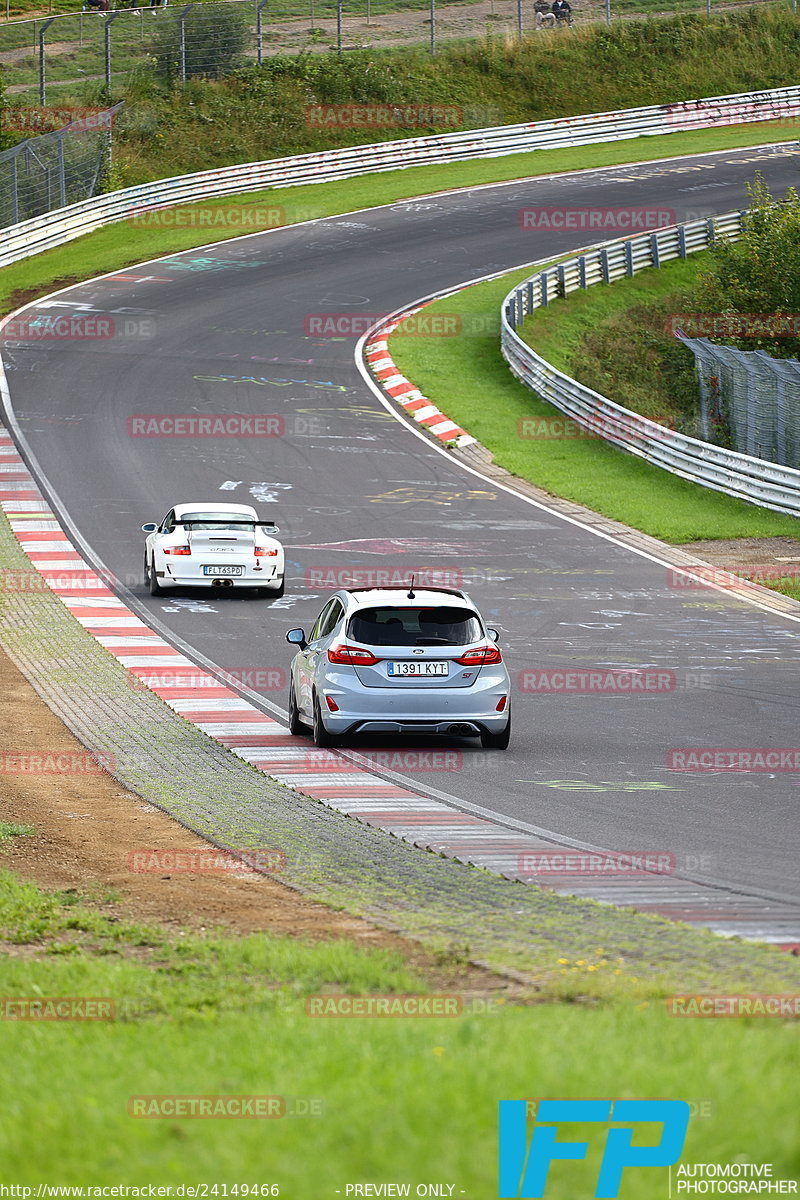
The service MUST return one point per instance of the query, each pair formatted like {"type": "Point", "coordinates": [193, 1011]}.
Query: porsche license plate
{"type": "Point", "coordinates": [220, 569]}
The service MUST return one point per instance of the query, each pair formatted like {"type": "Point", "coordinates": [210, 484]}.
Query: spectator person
{"type": "Point", "coordinates": [98, 5]}
{"type": "Point", "coordinates": [562, 11]}
{"type": "Point", "coordinates": [542, 14]}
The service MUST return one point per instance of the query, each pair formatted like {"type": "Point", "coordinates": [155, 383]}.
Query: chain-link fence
{"type": "Point", "coordinates": [55, 169]}
{"type": "Point", "coordinates": [748, 401]}
{"type": "Point", "coordinates": [211, 39]}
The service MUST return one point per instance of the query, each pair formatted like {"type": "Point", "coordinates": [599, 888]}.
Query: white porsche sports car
{"type": "Point", "coordinates": [213, 545]}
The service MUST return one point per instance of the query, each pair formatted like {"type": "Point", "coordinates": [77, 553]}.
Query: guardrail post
{"type": "Point", "coordinates": [655, 250]}
{"type": "Point", "coordinates": [42, 85]}
{"type": "Point", "coordinates": [519, 19]}
{"type": "Point", "coordinates": [543, 289]}
{"type": "Point", "coordinates": [780, 420]}
{"type": "Point", "coordinates": [562, 280]}
{"type": "Point", "coordinates": [62, 180]}
{"type": "Point", "coordinates": [259, 36]}
{"type": "Point", "coordinates": [608, 12]}
{"type": "Point", "coordinates": [682, 241]}
{"type": "Point", "coordinates": [14, 191]}
{"type": "Point", "coordinates": [433, 27]}
{"type": "Point", "coordinates": [629, 258]}
{"type": "Point", "coordinates": [182, 42]}
{"type": "Point", "coordinates": [604, 265]}
{"type": "Point", "coordinates": [520, 313]}
{"type": "Point", "coordinates": [711, 231]}
{"type": "Point", "coordinates": [338, 26]}
{"type": "Point", "coordinates": [511, 315]}
{"type": "Point", "coordinates": [530, 295]}
{"type": "Point", "coordinates": [582, 271]}
{"type": "Point", "coordinates": [107, 43]}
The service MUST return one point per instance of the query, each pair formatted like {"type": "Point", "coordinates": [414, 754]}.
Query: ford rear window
{"type": "Point", "coordinates": [428, 626]}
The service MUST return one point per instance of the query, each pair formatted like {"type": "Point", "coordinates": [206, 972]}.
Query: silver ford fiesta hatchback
{"type": "Point", "coordinates": [397, 660]}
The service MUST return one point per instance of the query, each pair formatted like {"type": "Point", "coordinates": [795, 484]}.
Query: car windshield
{"type": "Point", "coordinates": [211, 520]}
{"type": "Point", "coordinates": [390, 626]}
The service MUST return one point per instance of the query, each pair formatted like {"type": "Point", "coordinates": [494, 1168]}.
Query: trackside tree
{"type": "Point", "coordinates": [759, 273]}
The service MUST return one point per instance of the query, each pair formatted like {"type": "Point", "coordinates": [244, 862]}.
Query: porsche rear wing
{"type": "Point", "coordinates": [226, 524]}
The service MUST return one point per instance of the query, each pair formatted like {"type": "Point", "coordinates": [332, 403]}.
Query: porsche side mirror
{"type": "Point", "coordinates": [150, 527]}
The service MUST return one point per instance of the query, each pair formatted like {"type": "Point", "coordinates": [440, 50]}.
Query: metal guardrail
{"type": "Point", "coordinates": [35, 236]}
{"type": "Point", "coordinates": [741, 475]}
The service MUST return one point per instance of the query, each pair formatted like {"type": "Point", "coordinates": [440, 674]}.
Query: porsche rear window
{"type": "Point", "coordinates": [199, 521]}
{"type": "Point", "coordinates": [429, 626]}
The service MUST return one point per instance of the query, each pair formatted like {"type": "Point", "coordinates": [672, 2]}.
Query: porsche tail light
{"type": "Point", "coordinates": [265, 552]}
{"type": "Point", "coordinates": [357, 656]}
{"type": "Point", "coordinates": [178, 550]}
{"type": "Point", "coordinates": [481, 656]}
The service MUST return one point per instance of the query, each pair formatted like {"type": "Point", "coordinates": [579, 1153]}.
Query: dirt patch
{"type": "Point", "coordinates": [86, 825]}
{"type": "Point", "coordinates": [21, 296]}
{"type": "Point", "coordinates": [744, 554]}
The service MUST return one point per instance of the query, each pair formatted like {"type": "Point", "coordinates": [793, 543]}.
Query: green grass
{"type": "Point", "coordinates": [559, 331]}
{"type": "Point", "coordinates": [468, 379]}
{"type": "Point", "coordinates": [404, 1100]}
{"type": "Point", "coordinates": [9, 831]}
{"type": "Point", "coordinates": [787, 585]}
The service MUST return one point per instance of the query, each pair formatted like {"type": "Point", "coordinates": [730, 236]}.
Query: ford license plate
{"type": "Point", "coordinates": [418, 668]}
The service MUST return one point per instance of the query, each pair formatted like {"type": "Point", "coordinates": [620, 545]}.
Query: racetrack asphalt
{"type": "Point", "coordinates": [350, 487]}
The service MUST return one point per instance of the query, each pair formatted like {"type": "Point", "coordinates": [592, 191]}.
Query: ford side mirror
{"type": "Point", "coordinates": [493, 634]}
{"type": "Point", "coordinates": [296, 637]}
{"type": "Point", "coordinates": [150, 527]}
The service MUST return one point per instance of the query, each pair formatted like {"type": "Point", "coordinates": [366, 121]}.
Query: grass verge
{"type": "Point", "coordinates": [366, 1099]}
{"type": "Point", "coordinates": [467, 378]}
